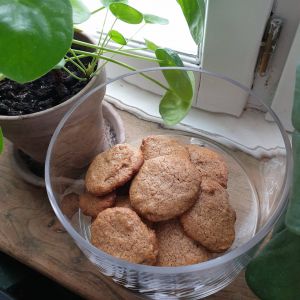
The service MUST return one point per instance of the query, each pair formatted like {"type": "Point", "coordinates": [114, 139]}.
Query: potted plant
{"type": "Point", "coordinates": [45, 33]}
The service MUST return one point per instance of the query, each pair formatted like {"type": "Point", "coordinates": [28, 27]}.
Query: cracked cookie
{"type": "Point", "coordinates": [92, 205]}
{"type": "Point", "coordinates": [176, 248]}
{"type": "Point", "coordinates": [160, 145]}
{"type": "Point", "coordinates": [120, 232]}
{"type": "Point", "coordinates": [165, 187]}
{"type": "Point", "coordinates": [209, 164]}
{"type": "Point", "coordinates": [211, 220]}
{"type": "Point", "coordinates": [113, 168]}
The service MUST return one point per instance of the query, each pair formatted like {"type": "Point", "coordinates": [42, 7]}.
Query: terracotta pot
{"type": "Point", "coordinates": [32, 133]}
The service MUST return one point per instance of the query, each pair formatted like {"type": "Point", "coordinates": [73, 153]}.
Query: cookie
{"type": "Point", "coordinates": [69, 204]}
{"type": "Point", "coordinates": [92, 205]}
{"type": "Point", "coordinates": [209, 164]}
{"type": "Point", "coordinates": [112, 169]}
{"type": "Point", "coordinates": [159, 145]}
{"type": "Point", "coordinates": [176, 248]}
{"type": "Point", "coordinates": [211, 220]}
{"type": "Point", "coordinates": [120, 232]}
{"type": "Point", "coordinates": [165, 187]}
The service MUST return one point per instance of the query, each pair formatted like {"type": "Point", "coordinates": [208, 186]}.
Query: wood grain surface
{"type": "Point", "coordinates": [28, 232]}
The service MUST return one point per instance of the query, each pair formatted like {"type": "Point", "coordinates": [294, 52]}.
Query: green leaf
{"type": "Point", "coordinates": [179, 81]}
{"type": "Point", "coordinates": [194, 13]}
{"type": "Point", "coordinates": [34, 36]}
{"type": "Point", "coordinates": [80, 12]}
{"type": "Point", "coordinates": [172, 108]}
{"type": "Point", "coordinates": [296, 104]}
{"type": "Point", "coordinates": [60, 65]}
{"type": "Point", "coordinates": [117, 37]}
{"type": "Point", "coordinates": [106, 3]}
{"type": "Point", "coordinates": [274, 274]}
{"type": "Point", "coordinates": [1, 140]}
{"type": "Point", "coordinates": [150, 45]}
{"type": "Point", "coordinates": [152, 19]}
{"type": "Point", "coordinates": [126, 13]}
{"type": "Point", "coordinates": [2, 76]}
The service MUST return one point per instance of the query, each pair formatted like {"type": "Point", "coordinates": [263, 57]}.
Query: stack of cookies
{"type": "Point", "coordinates": [164, 204]}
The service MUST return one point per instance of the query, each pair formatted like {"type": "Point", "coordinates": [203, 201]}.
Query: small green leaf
{"type": "Point", "coordinates": [1, 141]}
{"type": "Point", "coordinates": [106, 3]}
{"type": "Point", "coordinates": [172, 108]}
{"type": "Point", "coordinates": [194, 13]}
{"type": "Point", "coordinates": [80, 12]}
{"type": "Point", "coordinates": [60, 65]}
{"type": "Point", "coordinates": [126, 13]}
{"type": "Point", "coordinates": [117, 37]}
{"type": "Point", "coordinates": [178, 80]}
{"type": "Point", "coordinates": [152, 19]}
{"type": "Point", "coordinates": [34, 36]}
{"type": "Point", "coordinates": [150, 45]}
{"type": "Point", "coordinates": [2, 77]}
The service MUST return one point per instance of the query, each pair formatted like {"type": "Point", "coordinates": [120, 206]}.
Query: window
{"type": "Point", "coordinates": [232, 39]}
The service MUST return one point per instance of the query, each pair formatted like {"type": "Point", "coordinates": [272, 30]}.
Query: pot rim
{"type": "Point", "coordinates": [86, 88]}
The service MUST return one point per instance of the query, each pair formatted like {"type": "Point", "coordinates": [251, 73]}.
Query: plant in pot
{"type": "Point", "coordinates": [46, 68]}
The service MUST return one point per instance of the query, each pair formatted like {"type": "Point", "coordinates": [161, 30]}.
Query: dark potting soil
{"type": "Point", "coordinates": [48, 91]}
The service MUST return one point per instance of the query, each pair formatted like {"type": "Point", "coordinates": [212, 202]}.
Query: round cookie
{"type": "Point", "coordinates": [165, 187]}
{"type": "Point", "coordinates": [176, 248]}
{"type": "Point", "coordinates": [211, 220]}
{"type": "Point", "coordinates": [113, 168]}
{"type": "Point", "coordinates": [209, 164]}
{"type": "Point", "coordinates": [92, 205]}
{"type": "Point", "coordinates": [120, 232]}
{"type": "Point", "coordinates": [159, 145]}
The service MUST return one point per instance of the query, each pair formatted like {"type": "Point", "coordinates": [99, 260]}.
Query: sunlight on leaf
{"type": "Point", "coordinates": [150, 45]}
{"type": "Point", "coordinates": [194, 13]}
{"type": "Point", "coordinates": [80, 12]}
{"type": "Point", "coordinates": [126, 13]}
{"type": "Point", "coordinates": [179, 81]}
{"type": "Point", "coordinates": [152, 19]}
{"type": "Point", "coordinates": [117, 37]}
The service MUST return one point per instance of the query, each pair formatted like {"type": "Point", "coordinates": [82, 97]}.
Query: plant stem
{"type": "Point", "coordinates": [79, 61]}
{"type": "Point", "coordinates": [96, 10]}
{"type": "Point", "coordinates": [112, 26]}
{"type": "Point", "coordinates": [130, 68]}
{"type": "Point", "coordinates": [78, 66]}
{"type": "Point", "coordinates": [73, 75]}
{"type": "Point", "coordinates": [123, 52]}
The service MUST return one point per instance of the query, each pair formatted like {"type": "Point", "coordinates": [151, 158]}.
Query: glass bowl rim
{"type": "Point", "coordinates": [218, 261]}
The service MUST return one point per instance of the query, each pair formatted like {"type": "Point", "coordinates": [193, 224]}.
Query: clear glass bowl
{"type": "Point", "coordinates": [259, 180]}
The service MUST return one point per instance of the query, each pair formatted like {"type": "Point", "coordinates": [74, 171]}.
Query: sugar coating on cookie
{"type": "Point", "coordinates": [92, 205]}
{"type": "Point", "coordinates": [165, 187]}
{"type": "Point", "coordinates": [209, 163]}
{"type": "Point", "coordinates": [211, 220]}
{"type": "Point", "coordinates": [176, 248]}
{"type": "Point", "coordinates": [113, 168]}
{"type": "Point", "coordinates": [120, 232]}
{"type": "Point", "coordinates": [159, 145]}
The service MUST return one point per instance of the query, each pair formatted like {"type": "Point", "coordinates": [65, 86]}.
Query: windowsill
{"type": "Point", "coordinates": [250, 133]}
